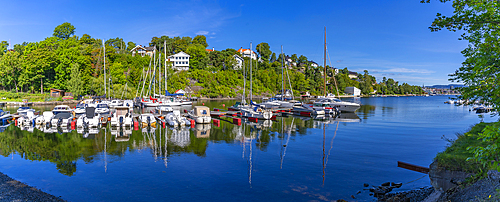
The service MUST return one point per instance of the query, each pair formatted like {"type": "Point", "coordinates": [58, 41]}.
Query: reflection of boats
{"type": "Point", "coordinates": [5, 117]}
{"type": "Point", "coordinates": [121, 134]}
{"type": "Point", "coordinates": [200, 114]}
{"type": "Point", "coordinates": [28, 119]}
{"type": "Point", "coordinates": [180, 137]}
{"type": "Point", "coordinates": [44, 120]}
{"type": "Point", "coordinates": [260, 124]}
{"type": "Point", "coordinates": [202, 130]}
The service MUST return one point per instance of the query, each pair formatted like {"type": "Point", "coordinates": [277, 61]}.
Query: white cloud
{"type": "Point", "coordinates": [202, 33]}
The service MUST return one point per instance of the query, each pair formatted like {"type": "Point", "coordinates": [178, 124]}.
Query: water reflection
{"type": "Point", "coordinates": [64, 146]}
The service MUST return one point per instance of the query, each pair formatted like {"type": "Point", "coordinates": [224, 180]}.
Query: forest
{"type": "Point", "coordinates": [78, 64]}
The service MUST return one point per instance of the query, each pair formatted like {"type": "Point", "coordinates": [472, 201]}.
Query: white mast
{"type": "Point", "coordinates": [165, 63]}
{"type": "Point", "coordinates": [251, 71]}
{"type": "Point", "coordinates": [282, 75]}
{"type": "Point", "coordinates": [104, 46]}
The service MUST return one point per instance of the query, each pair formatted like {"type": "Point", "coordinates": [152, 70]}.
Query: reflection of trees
{"type": "Point", "coordinates": [64, 150]}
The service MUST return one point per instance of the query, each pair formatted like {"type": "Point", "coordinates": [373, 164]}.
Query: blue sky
{"type": "Point", "coordinates": [388, 38]}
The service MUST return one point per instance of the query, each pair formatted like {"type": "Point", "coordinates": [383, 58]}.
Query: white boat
{"type": "Point", "coordinates": [200, 114]}
{"type": "Point", "coordinates": [342, 106]}
{"type": "Point", "coordinates": [175, 119]}
{"type": "Point", "coordinates": [121, 117]}
{"type": "Point", "coordinates": [149, 102]}
{"type": "Point", "coordinates": [147, 120]}
{"type": "Point", "coordinates": [164, 109]}
{"type": "Point", "coordinates": [24, 110]}
{"type": "Point", "coordinates": [5, 118]}
{"type": "Point", "coordinates": [257, 112]}
{"type": "Point", "coordinates": [80, 109]}
{"type": "Point", "coordinates": [169, 101]}
{"type": "Point", "coordinates": [90, 119]}
{"type": "Point", "coordinates": [115, 103]}
{"type": "Point", "coordinates": [102, 109]}
{"type": "Point", "coordinates": [61, 119]}
{"type": "Point", "coordinates": [61, 108]}
{"type": "Point", "coordinates": [128, 103]}
{"type": "Point", "coordinates": [307, 110]}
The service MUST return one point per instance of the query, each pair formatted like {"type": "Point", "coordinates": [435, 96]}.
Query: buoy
{"type": "Point", "coordinates": [136, 125]}
{"type": "Point", "coordinates": [216, 122]}
{"type": "Point", "coordinates": [16, 122]}
{"type": "Point", "coordinates": [223, 105]}
{"type": "Point", "coordinates": [192, 122]}
{"type": "Point", "coordinates": [203, 104]}
{"type": "Point", "coordinates": [237, 121]}
{"type": "Point", "coordinates": [163, 124]}
{"type": "Point", "coordinates": [73, 125]}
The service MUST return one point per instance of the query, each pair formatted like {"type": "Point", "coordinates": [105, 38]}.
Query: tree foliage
{"type": "Point", "coordinates": [64, 30]}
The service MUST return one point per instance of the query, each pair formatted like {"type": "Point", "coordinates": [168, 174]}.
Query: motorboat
{"type": "Point", "coordinates": [44, 120]}
{"type": "Point", "coordinates": [170, 101]}
{"type": "Point", "coordinates": [257, 112]}
{"type": "Point", "coordinates": [121, 117]}
{"type": "Point", "coordinates": [147, 120]}
{"type": "Point", "coordinates": [5, 118]}
{"type": "Point", "coordinates": [115, 103]}
{"type": "Point", "coordinates": [128, 103]}
{"type": "Point", "coordinates": [102, 109]}
{"type": "Point", "coordinates": [61, 119]}
{"type": "Point", "coordinates": [164, 109]}
{"type": "Point", "coordinates": [90, 119]}
{"type": "Point", "coordinates": [61, 108]}
{"type": "Point", "coordinates": [175, 119]}
{"type": "Point", "coordinates": [24, 110]}
{"type": "Point", "coordinates": [200, 114]}
{"type": "Point", "coordinates": [80, 109]}
{"type": "Point", "coordinates": [324, 105]}
{"type": "Point", "coordinates": [342, 106]}
{"type": "Point", "coordinates": [307, 110]}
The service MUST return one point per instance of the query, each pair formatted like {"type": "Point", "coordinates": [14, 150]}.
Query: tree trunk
{"type": "Point", "coordinates": [16, 86]}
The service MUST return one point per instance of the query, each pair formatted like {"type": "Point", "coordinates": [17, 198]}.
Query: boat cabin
{"type": "Point", "coordinates": [201, 111]}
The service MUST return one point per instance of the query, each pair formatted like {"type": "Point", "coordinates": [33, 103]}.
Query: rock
{"type": "Point", "coordinates": [365, 185]}
{"type": "Point", "coordinates": [396, 185]}
{"type": "Point", "coordinates": [441, 178]}
{"type": "Point", "coordinates": [494, 175]}
{"type": "Point", "coordinates": [352, 196]}
{"type": "Point", "coordinates": [386, 184]}
{"type": "Point", "coordinates": [359, 192]}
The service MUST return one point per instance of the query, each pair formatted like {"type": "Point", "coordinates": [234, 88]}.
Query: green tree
{"type": "Point", "coordinates": [480, 22]}
{"type": "Point", "coordinates": [302, 60]}
{"type": "Point", "coordinates": [11, 65]}
{"type": "Point", "coordinates": [3, 47]}
{"type": "Point", "coordinates": [130, 45]}
{"type": "Point", "coordinates": [273, 57]}
{"type": "Point", "coordinates": [264, 51]}
{"type": "Point", "coordinates": [294, 58]}
{"type": "Point", "coordinates": [64, 30]}
{"type": "Point", "coordinates": [75, 84]}
{"type": "Point", "coordinates": [198, 59]}
{"type": "Point", "coordinates": [200, 39]}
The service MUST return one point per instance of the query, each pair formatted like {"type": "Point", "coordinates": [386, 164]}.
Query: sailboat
{"type": "Point", "coordinates": [329, 99]}
{"type": "Point", "coordinates": [255, 111]}
{"type": "Point", "coordinates": [279, 100]}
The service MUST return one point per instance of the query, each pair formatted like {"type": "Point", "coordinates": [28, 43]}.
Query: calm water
{"type": "Point", "coordinates": [288, 159]}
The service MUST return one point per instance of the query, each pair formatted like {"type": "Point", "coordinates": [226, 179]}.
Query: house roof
{"type": "Point", "coordinates": [242, 50]}
{"type": "Point", "coordinates": [140, 47]}
{"type": "Point", "coordinates": [179, 54]}
{"type": "Point", "coordinates": [210, 50]}
{"type": "Point", "coordinates": [150, 48]}
{"type": "Point", "coordinates": [237, 57]}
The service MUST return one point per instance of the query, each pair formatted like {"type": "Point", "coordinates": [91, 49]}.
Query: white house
{"type": "Point", "coordinates": [239, 62]}
{"type": "Point", "coordinates": [248, 53]}
{"type": "Point", "coordinates": [313, 64]}
{"type": "Point", "coordinates": [352, 91]}
{"type": "Point", "coordinates": [180, 61]}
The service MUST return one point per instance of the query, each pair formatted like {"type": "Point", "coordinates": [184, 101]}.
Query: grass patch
{"type": "Point", "coordinates": [455, 156]}
{"type": "Point", "coordinates": [6, 96]}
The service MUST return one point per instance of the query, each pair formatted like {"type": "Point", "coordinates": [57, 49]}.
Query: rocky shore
{"type": "Point", "coordinates": [13, 190]}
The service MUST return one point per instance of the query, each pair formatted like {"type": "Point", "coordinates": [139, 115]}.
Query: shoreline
{"type": "Point", "coordinates": [13, 190]}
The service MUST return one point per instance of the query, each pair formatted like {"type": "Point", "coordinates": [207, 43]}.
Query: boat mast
{"type": "Point", "coordinates": [104, 46]}
{"type": "Point", "coordinates": [165, 63]}
{"type": "Point", "coordinates": [324, 70]}
{"type": "Point", "coordinates": [251, 71]}
{"type": "Point", "coordinates": [282, 75]}
{"type": "Point", "coordinates": [244, 83]}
